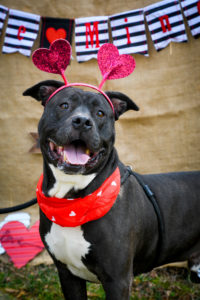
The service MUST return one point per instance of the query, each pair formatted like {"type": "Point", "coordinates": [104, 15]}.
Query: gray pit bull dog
{"type": "Point", "coordinates": [77, 135]}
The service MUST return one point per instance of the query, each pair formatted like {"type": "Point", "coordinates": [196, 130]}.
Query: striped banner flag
{"type": "Point", "coordinates": [128, 32]}
{"type": "Point", "coordinates": [3, 14]}
{"type": "Point", "coordinates": [191, 10]}
{"type": "Point", "coordinates": [90, 34]}
{"type": "Point", "coordinates": [165, 22]}
{"type": "Point", "coordinates": [55, 28]}
{"type": "Point", "coordinates": [21, 32]}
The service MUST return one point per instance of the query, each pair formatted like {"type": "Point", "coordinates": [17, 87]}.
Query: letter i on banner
{"type": "Point", "coordinates": [191, 10]}
{"type": "Point", "coordinates": [165, 22]}
{"type": "Point", "coordinates": [128, 32]}
{"type": "Point", "coordinates": [90, 34]}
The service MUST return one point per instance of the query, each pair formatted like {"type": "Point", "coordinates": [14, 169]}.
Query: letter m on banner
{"type": "Point", "coordinates": [165, 22]}
{"type": "Point", "coordinates": [90, 34]}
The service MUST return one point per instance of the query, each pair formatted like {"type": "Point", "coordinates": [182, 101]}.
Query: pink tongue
{"type": "Point", "coordinates": [76, 155]}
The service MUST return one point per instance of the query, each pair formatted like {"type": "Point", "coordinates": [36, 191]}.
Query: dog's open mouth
{"type": "Point", "coordinates": [75, 153]}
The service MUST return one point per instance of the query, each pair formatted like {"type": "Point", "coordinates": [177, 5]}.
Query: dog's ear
{"type": "Point", "coordinates": [43, 90]}
{"type": "Point", "coordinates": [121, 103]}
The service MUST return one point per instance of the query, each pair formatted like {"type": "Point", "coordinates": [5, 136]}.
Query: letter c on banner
{"type": "Point", "coordinates": [21, 29]}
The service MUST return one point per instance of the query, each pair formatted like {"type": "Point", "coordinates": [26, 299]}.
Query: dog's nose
{"type": "Point", "coordinates": [82, 123]}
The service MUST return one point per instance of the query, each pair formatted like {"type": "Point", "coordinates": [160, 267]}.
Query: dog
{"type": "Point", "coordinates": [77, 135]}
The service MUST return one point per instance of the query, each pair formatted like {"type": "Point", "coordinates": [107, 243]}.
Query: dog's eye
{"type": "Point", "coordinates": [64, 105]}
{"type": "Point", "coordinates": [100, 114]}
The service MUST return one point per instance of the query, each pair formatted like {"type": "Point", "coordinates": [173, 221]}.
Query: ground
{"type": "Point", "coordinates": [41, 283]}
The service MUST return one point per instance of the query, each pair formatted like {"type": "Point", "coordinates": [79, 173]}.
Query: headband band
{"type": "Point", "coordinates": [85, 85]}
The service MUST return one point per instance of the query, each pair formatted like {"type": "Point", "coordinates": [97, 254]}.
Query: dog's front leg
{"type": "Point", "coordinates": [74, 288]}
{"type": "Point", "coordinates": [119, 288]}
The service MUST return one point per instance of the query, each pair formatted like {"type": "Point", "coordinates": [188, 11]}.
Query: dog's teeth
{"type": "Point", "coordinates": [60, 149]}
{"type": "Point", "coordinates": [51, 145]}
{"type": "Point", "coordinates": [87, 152]}
{"type": "Point", "coordinates": [64, 156]}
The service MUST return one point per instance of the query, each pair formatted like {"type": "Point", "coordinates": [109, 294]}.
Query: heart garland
{"type": "Point", "coordinates": [20, 243]}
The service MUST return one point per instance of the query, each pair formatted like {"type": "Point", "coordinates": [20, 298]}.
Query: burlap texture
{"type": "Point", "coordinates": [163, 136]}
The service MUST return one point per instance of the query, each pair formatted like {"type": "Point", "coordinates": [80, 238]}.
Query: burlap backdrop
{"type": "Point", "coordinates": [162, 137]}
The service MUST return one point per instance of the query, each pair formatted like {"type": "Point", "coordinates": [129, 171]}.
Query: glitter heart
{"type": "Point", "coordinates": [112, 64]}
{"type": "Point", "coordinates": [55, 59]}
{"type": "Point", "coordinates": [20, 243]}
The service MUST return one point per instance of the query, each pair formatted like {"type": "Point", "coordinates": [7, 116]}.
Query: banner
{"type": "Point", "coordinates": [21, 32]}
{"type": "Point", "coordinates": [90, 34]}
{"type": "Point", "coordinates": [3, 14]}
{"type": "Point", "coordinates": [128, 32]}
{"type": "Point", "coordinates": [55, 28]}
{"type": "Point", "coordinates": [164, 19]}
{"type": "Point", "coordinates": [165, 22]}
{"type": "Point", "coordinates": [191, 10]}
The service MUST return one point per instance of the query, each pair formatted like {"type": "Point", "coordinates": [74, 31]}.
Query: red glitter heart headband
{"type": "Point", "coordinates": [57, 57]}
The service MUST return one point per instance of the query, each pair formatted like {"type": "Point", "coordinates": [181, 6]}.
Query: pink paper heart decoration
{"type": "Point", "coordinates": [55, 59]}
{"type": "Point", "coordinates": [20, 243]}
{"type": "Point", "coordinates": [112, 64]}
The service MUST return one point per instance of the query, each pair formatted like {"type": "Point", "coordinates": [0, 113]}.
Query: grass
{"type": "Point", "coordinates": [41, 283]}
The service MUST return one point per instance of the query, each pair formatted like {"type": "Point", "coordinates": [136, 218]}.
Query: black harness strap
{"type": "Point", "coordinates": [150, 195]}
{"type": "Point", "coordinates": [18, 207]}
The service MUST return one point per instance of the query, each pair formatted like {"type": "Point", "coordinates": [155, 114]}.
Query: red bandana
{"type": "Point", "coordinates": [71, 213]}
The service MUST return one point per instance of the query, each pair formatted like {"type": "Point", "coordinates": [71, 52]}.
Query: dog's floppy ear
{"type": "Point", "coordinates": [121, 103]}
{"type": "Point", "coordinates": [43, 90]}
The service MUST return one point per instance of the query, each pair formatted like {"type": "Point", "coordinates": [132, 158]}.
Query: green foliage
{"type": "Point", "coordinates": [41, 283]}
{"type": "Point", "coordinates": [31, 282]}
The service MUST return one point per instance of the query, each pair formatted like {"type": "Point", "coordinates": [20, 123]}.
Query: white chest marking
{"type": "Point", "coordinates": [68, 245]}
{"type": "Point", "coordinates": [196, 268]}
{"type": "Point", "coordinates": [64, 182]}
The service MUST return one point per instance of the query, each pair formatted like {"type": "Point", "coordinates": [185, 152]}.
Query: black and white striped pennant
{"type": "Point", "coordinates": [3, 14]}
{"type": "Point", "coordinates": [191, 10]}
{"type": "Point", "coordinates": [165, 22]}
{"type": "Point", "coordinates": [21, 32]}
{"type": "Point", "coordinates": [128, 32]}
{"type": "Point", "coordinates": [90, 34]}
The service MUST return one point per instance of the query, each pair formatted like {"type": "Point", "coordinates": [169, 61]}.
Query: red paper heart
{"type": "Point", "coordinates": [52, 34]}
{"type": "Point", "coordinates": [112, 64]}
{"type": "Point", "coordinates": [20, 243]}
{"type": "Point", "coordinates": [55, 59]}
